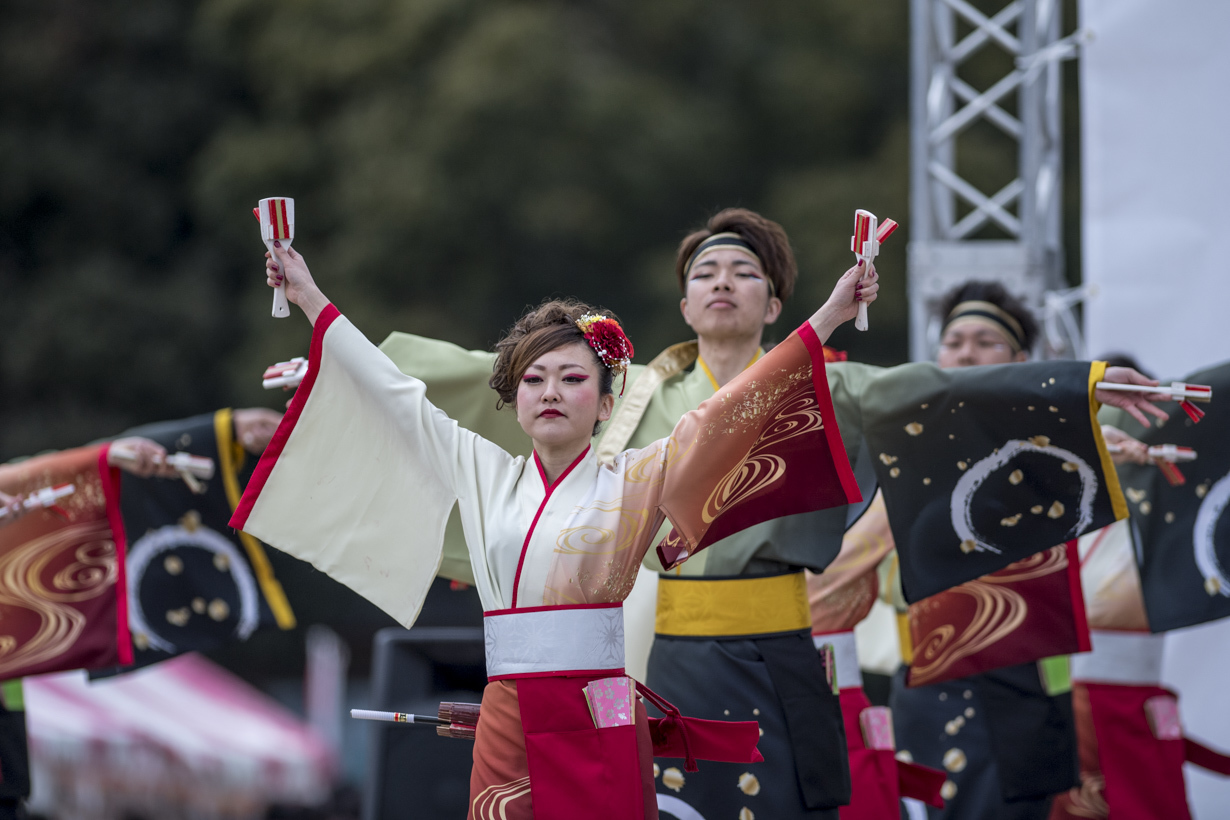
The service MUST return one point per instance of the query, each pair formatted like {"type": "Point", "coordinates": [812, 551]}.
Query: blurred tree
{"type": "Point", "coordinates": [114, 304]}
{"type": "Point", "coordinates": [452, 161]}
{"type": "Point", "coordinates": [456, 160]}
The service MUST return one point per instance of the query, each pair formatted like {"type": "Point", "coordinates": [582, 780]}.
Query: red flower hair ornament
{"type": "Point", "coordinates": [607, 339]}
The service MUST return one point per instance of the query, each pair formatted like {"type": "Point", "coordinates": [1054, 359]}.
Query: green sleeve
{"type": "Point", "coordinates": [456, 381]}
{"type": "Point", "coordinates": [848, 381]}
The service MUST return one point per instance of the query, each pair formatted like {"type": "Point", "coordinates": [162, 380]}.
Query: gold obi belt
{"type": "Point", "coordinates": [733, 607]}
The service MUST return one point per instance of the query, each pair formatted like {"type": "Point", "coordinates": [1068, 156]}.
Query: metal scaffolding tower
{"type": "Point", "coordinates": [947, 209]}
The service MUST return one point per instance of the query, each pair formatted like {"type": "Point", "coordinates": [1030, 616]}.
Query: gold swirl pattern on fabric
{"type": "Point", "coordinates": [492, 802]}
{"type": "Point", "coordinates": [652, 462]}
{"type": "Point", "coordinates": [590, 539]}
{"type": "Point", "coordinates": [693, 607]}
{"type": "Point", "coordinates": [998, 613]}
{"type": "Point", "coordinates": [1035, 566]}
{"type": "Point", "coordinates": [794, 413]}
{"type": "Point", "coordinates": [756, 401]}
{"type": "Point", "coordinates": [24, 584]}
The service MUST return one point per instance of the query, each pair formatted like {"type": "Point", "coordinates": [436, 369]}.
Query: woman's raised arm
{"type": "Point", "coordinates": [286, 267]}
{"type": "Point", "coordinates": [842, 306]}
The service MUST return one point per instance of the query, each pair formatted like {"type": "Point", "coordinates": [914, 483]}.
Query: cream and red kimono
{"type": "Point", "coordinates": [362, 474]}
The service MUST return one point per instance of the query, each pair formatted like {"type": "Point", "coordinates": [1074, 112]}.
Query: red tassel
{"type": "Point", "coordinates": [1172, 473]}
{"type": "Point", "coordinates": [1193, 412]}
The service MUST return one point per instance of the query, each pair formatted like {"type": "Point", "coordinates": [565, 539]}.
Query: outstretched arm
{"type": "Point", "coordinates": [284, 266]}
{"type": "Point", "coordinates": [1130, 450]}
{"type": "Point", "coordinates": [842, 305]}
{"type": "Point", "coordinates": [1131, 403]}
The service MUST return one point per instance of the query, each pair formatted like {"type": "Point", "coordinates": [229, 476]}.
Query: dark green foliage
{"type": "Point", "coordinates": [452, 161]}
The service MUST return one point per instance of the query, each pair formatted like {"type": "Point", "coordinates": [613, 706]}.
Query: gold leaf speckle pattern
{"type": "Point", "coordinates": [673, 779]}
{"type": "Point", "coordinates": [896, 471]}
{"type": "Point", "coordinates": [1015, 477]}
{"type": "Point", "coordinates": [1036, 509]}
{"type": "Point", "coordinates": [1056, 510]}
{"type": "Point", "coordinates": [954, 760]}
{"type": "Point", "coordinates": [749, 784]}
{"type": "Point", "coordinates": [914, 428]}
{"type": "Point", "coordinates": [1010, 521]}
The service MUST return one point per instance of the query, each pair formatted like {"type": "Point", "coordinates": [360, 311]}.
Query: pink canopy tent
{"type": "Point", "coordinates": [181, 738]}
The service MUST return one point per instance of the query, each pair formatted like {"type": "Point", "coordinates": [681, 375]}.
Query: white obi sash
{"type": "Point", "coordinates": [845, 653]}
{"type": "Point", "coordinates": [554, 640]}
{"type": "Point", "coordinates": [1130, 658]}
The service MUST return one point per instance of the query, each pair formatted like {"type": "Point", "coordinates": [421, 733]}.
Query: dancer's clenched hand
{"type": "Point", "coordinates": [285, 267]}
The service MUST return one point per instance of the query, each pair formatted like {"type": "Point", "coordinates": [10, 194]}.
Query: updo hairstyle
{"type": "Point", "coordinates": [551, 325]}
{"type": "Point", "coordinates": [767, 238]}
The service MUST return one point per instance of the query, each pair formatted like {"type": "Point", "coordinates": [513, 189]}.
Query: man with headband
{"type": "Point", "coordinates": [747, 650]}
{"type": "Point", "coordinates": [984, 325]}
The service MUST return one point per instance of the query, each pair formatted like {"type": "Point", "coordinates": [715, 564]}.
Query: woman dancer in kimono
{"type": "Point", "coordinates": [362, 474]}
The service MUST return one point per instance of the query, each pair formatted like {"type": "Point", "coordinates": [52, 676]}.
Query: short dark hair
{"type": "Point", "coordinates": [998, 295]}
{"type": "Point", "coordinates": [767, 238]}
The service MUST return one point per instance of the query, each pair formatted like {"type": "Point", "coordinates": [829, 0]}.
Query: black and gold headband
{"type": "Point", "coordinates": [989, 315]}
{"type": "Point", "coordinates": [720, 241]}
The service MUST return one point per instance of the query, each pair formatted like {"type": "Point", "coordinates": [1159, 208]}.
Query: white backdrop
{"type": "Point", "coordinates": [1155, 116]}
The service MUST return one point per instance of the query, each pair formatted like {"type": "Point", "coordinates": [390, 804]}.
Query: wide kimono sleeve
{"type": "Point", "coordinates": [1183, 523]}
{"type": "Point", "coordinates": [985, 466]}
{"type": "Point", "coordinates": [765, 446]}
{"type": "Point", "coordinates": [361, 474]}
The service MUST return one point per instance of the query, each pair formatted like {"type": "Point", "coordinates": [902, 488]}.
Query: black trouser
{"type": "Point", "coordinates": [779, 681]}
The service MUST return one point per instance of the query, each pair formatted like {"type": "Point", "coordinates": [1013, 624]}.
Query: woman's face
{"type": "Point", "coordinates": [558, 399]}
{"type": "Point", "coordinates": [727, 295]}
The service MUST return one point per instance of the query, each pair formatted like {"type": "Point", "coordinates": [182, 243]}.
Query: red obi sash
{"type": "Point", "coordinates": [576, 769]}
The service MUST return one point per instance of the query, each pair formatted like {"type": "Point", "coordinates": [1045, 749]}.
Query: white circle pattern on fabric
{"type": "Point", "coordinates": [971, 480]}
{"type": "Point", "coordinates": [677, 808]}
{"type": "Point", "coordinates": [154, 543]}
{"type": "Point", "coordinates": [1203, 543]}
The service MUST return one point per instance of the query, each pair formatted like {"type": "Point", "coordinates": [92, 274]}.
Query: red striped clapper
{"type": "Point", "coordinates": [277, 217]}
{"type": "Point", "coordinates": [866, 246]}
